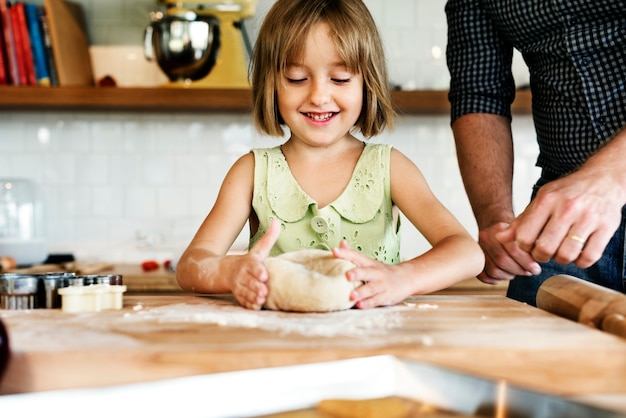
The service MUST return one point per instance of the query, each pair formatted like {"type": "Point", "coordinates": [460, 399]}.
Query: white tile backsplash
{"type": "Point", "coordinates": [124, 186]}
{"type": "Point", "coordinates": [148, 199]}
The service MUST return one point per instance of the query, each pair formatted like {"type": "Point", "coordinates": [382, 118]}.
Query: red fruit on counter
{"type": "Point", "coordinates": [149, 265]}
{"type": "Point", "coordinates": [7, 263]}
{"type": "Point", "coordinates": [107, 81]}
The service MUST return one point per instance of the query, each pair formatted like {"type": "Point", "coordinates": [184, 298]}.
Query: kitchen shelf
{"type": "Point", "coordinates": [176, 99]}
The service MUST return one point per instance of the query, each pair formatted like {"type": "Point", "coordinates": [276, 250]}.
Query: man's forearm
{"type": "Point", "coordinates": [485, 154]}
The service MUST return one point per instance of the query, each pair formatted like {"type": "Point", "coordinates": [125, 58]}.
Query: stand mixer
{"type": "Point", "coordinates": [201, 43]}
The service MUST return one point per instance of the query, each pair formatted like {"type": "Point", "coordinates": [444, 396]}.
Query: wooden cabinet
{"type": "Point", "coordinates": [171, 99]}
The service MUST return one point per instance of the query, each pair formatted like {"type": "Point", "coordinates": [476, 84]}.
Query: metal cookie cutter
{"type": "Point", "coordinates": [18, 291]}
{"type": "Point", "coordinates": [110, 279]}
{"type": "Point", "coordinates": [48, 289]}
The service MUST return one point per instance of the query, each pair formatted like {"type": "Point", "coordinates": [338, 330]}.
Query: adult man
{"type": "Point", "coordinates": [576, 54]}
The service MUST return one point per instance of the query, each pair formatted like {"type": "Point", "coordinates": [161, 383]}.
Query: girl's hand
{"type": "Point", "coordinates": [382, 283]}
{"type": "Point", "coordinates": [249, 276]}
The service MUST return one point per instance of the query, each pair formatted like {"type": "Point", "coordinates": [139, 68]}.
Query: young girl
{"type": "Point", "coordinates": [318, 68]}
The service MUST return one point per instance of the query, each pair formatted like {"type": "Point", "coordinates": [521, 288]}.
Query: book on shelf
{"type": "Point", "coordinates": [4, 71]}
{"type": "Point", "coordinates": [44, 45]}
{"type": "Point", "coordinates": [25, 46]}
{"type": "Point", "coordinates": [9, 44]}
{"type": "Point", "coordinates": [37, 45]}
{"type": "Point", "coordinates": [20, 79]}
{"type": "Point", "coordinates": [47, 43]}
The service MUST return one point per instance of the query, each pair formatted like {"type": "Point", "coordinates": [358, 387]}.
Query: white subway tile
{"type": "Point", "coordinates": [430, 14]}
{"type": "Point", "coordinates": [88, 228]}
{"type": "Point", "coordinates": [401, 15]}
{"type": "Point", "coordinates": [28, 166]}
{"type": "Point", "coordinates": [192, 170]}
{"type": "Point", "coordinates": [12, 136]}
{"type": "Point", "coordinates": [141, 202]}
{"type": "Point", "coordinates": [158, 170]}
{"type": "Point", "coordinates": [59, 233]}
{"type": "Point", "coordinates": [106, 136]}
{"type": "Point", "coordinates": [93, 169]}
{"type": "Point", "coordinates": [107, 202]}
{"type": "Point", "coordinates": [139, 189]}
{"type": "Point", "coordinates": [173, 202]}
{"type": "Point", "coordinates": [61, 168]}
{"type": "Point", "coordinates": [69, 201]}
{"type": "Point", "coordinates": [125, 170]}
{"type": "Point", "coordinates": [202, 200]}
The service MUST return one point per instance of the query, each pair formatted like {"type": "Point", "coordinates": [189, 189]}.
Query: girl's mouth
{"type": "Point", "coordinates": [320, 117]}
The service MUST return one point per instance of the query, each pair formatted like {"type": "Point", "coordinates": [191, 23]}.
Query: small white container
{"type": "Point", "coordinates": [113, 297]}
{"type": "Point", "coordinates": [92, 298]}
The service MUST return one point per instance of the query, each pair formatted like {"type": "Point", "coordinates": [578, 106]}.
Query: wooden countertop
{"type": "Point", "coordinates": [164, 336]}
{"type": "Point", "coordinates": [162, 280]}
{"type": "Point", "coordinates": [137, 280]}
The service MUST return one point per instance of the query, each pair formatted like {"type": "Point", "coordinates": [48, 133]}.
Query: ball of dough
{"type": "Point", "coordinates": [309, 281]}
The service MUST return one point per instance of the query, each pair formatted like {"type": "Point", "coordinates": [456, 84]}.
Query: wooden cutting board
{"type": "Point", "coordinates": [70, 43]}
{"type": "Point", "coordinates": [157, 337]}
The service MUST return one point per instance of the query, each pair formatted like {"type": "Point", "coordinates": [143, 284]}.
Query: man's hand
{"type": "Point", "coordinates": [571, 219]}
{"type": "Point", "coordinates": [503, 259]}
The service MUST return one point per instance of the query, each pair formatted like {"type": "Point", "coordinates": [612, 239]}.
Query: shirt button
{"type": "Point", "coordinates": [571, 20]}
{"type": "Point", "coordinates": [585, 61]}
{"type": "Point", "coordinates": [319, 224]}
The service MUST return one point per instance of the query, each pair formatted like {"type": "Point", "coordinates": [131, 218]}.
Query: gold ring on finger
{"type": "Point", "coordinates": [576, 238]}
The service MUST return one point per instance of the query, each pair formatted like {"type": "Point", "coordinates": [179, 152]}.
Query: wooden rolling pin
{"type": "Point", "coordinates": [584, 302]}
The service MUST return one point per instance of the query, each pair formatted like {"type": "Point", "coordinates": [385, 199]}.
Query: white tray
{"type": "Point", "coordinates": [263, 391]}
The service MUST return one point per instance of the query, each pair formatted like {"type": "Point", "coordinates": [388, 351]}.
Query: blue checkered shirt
{"type": "Point", "coordinates": [576, 55]}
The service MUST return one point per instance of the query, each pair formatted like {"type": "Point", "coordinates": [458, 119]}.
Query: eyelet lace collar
{"type": "Point", "coordinates": [359, 202]}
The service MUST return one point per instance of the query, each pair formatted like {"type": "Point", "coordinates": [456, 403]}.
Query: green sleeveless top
{"type": "Point", "coordinates": [362, 214]}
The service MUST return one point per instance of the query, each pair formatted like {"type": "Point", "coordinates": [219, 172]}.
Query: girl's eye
{"type": "Point", "coordinates": [341, 80]}
{"type": "Point", "coordinates": [295, 80]}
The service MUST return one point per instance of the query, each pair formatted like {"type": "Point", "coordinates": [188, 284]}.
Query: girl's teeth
{"type": "Point", "coordinates": [319, 117]}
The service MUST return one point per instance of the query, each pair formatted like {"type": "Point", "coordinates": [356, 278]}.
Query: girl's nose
{"type": "Point", "coordinates": [320, 92]}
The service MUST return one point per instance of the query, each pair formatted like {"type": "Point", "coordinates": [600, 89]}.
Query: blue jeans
{"type": "Point", "coordinates": [607, 272]}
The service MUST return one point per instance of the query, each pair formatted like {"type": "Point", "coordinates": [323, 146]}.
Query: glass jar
{"type": "Point", "coordinates": [22, 221]}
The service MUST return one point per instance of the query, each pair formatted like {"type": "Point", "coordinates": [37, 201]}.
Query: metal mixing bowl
{"type": "Point", "coordinates": [185, 47]}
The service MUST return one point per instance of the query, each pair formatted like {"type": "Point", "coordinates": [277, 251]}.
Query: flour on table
{"type": "Point", "coordinates": [351, 323]}
{"type": "Point", "coordinates": [29, 329]}
{"type": "Point", "coordinates": [427, 306]}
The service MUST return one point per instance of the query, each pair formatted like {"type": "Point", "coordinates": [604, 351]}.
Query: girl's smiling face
{"type": "Point", "coordinates": [319, 99]}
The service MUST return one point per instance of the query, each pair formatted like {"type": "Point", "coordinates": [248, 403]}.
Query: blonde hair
{"type": "Point", "coordinates": [281, 41]}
